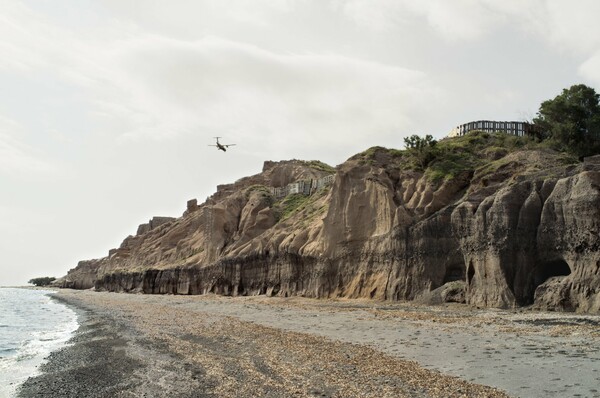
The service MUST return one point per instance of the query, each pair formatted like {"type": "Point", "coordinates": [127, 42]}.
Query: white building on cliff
{"type": "Point", "coordinates": [519, 129]}
{"type": "Point", "coordinates": [305, 187]}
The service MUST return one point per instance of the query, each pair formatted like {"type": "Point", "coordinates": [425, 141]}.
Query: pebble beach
{"type": "Point", "coordinates": [132, 345]}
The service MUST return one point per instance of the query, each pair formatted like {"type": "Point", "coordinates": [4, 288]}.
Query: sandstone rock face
{"type": "Point", "coordinates": [514, 236]}
{"type": "Point", "coordinates": [84, 276]}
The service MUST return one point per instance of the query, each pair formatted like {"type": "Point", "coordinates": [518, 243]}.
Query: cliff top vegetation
{"type": "Point", "coordinates": [570, 126]}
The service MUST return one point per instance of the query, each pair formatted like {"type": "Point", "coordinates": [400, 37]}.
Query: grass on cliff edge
{"type": "Point", "coordinates": [452, 157]}
{"type": "Point", "coordinates": [298, 202]}
{"type": "Point", "coordinates": [320, 166]}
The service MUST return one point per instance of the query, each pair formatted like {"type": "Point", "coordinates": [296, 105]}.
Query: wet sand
{"type": "Point", "coordinates": [213, 346]}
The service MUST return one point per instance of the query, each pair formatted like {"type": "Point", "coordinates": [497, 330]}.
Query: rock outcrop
{"type": "Point", "coordinates": [523, 230]}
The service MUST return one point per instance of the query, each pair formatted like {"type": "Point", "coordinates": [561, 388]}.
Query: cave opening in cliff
{"type": "Point", "coordinates": [470, 274]}
{"type": "Point", "coordinates": [240, 289]}
{"type": "Point", "coordinates": [455, 272]}
{"type": "Point", "coordinates": [372, 294]}
{"type": "Point", "coordinates": [547, 270]}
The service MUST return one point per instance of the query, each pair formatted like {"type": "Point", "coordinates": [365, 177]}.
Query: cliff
{"type": "Point", "coordinates": [489, 226]}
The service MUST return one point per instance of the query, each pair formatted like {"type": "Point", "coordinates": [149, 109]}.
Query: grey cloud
{"type": "Point", "coordinates": [18, 159]}
{"type": "Point", "coordinates": [590, 69]}
{"type": "Point", "coordinates": [232, 86]}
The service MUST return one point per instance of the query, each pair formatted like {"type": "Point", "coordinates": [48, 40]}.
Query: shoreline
{"type": "Point", "coordinates": [162, 346]}
{"type": "Point", "coordinates": [105, 358]}
{"type": "Point", "coordinates": [66, 372]}
{"type": "Point", "coordinates": [32, 326]}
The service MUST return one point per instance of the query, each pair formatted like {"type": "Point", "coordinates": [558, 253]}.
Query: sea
{"type": "Point", "coordinates": [32, 325]}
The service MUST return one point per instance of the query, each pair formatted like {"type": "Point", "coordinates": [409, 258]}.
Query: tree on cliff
{"type": "Point", "coordinates": [423, 149]}
{"type": "Point", "coordinates": [571, 121]}
{"type": "Point", "coordinates": [43, 281]}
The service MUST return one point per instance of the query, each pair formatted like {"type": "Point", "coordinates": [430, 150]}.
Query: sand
{"type": "Point", "coordinates": [213, 346]}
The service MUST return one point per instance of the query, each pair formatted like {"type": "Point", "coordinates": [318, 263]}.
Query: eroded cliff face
{"type": "Point", "coordinates": [526, 231]}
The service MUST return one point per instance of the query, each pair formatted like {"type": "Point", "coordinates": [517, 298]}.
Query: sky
{"type": "Point", "coordinates": [107, 107]}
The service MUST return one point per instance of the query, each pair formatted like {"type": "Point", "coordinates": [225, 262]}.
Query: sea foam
{"type": "Point", "coordinates": [32, 325]}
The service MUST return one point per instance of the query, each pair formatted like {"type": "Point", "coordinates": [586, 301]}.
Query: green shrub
{"type": "Point", "coordinates": [290, 204]}
{"type": "Point", "coordinates": [495, 152]}
{"type": "Point", "coordinates": [449, 165]}
{"type": "Point", "coordinates": [318, 165]}
{"type": "Point", "coordinates": [254, 188]}
{"type": "Point", "coordinates": [265, 193]}
{"type": "Point", "coordinates": [43, 281]}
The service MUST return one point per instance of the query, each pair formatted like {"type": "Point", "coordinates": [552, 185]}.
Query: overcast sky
{"type": "Point", "coordinates": [107, 107]}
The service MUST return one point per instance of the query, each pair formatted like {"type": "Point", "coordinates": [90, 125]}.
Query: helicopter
{"type": "Point", "coordinates": [221, 147]}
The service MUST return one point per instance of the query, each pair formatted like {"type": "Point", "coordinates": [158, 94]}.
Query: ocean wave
{"type": "Point", "coordinates": [36, 326]}
{"type": "Point", "coordinates": [6, 352]}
